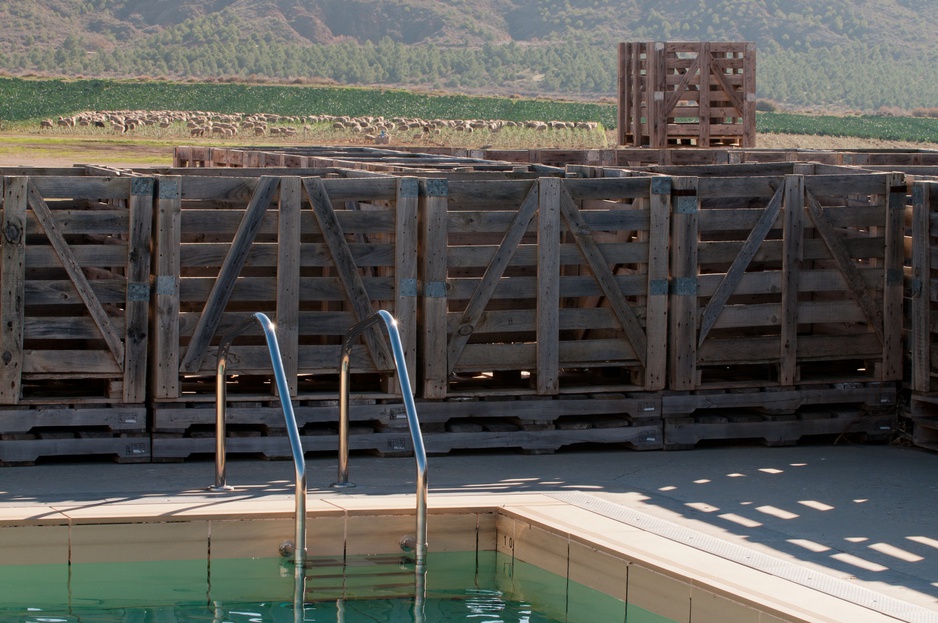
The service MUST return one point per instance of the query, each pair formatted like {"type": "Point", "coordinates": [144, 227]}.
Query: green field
{"type": "Point", "coordinates": [30, 100]}
{"type": "Point", "coordinates": [22, 100]}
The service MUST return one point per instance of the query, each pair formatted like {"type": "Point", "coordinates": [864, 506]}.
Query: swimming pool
{"type": "Point", "coordinates": [660, 578]}
{"type": "Point", "coordinates": [460, 586]}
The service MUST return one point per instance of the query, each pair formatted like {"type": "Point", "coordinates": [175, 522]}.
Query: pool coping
{"type": "Point", "coordinates": [597, 546]}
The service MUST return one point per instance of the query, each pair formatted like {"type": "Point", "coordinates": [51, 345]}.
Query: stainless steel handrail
{"type": "Point", "coordinates": [298, 546]}
{"type": "Point", "coordinates": [419, 542]}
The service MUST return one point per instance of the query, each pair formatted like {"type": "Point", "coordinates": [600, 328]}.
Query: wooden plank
{"type": "Point", "coordinates": [704, 111]}
{"type": "Point", "coordinates": [433, 204]}
{"type": "Point", "coordinates": [549, 208]}
{"type": "Point", "coordinates": [347, 269]}
{"type": "Point", "coordinates": [749, 96]}
{"type": "Point", "coordinates": [739, 265]}
{"type": "Point", "coordinates": [861, 294]}
{"type": "Point", "coordinates": [636, 120]}
{"type": "Point", "coordinates": [791, 274]}
{"type": "Point", "coordinates": [599, 265]}
{"type": "Point", "coordinates": [656, 70]}
{"type": "Point", "coordinates": [894, 281]}
{"type": "Point", "coordinates": [12, 282]}
{"type": "Point", "coordinates": [288, 277]}
{"type": "Point", "coordinates": [658, 267]}
{"type": "Point", "coordinates": [495, 270]}
{"type": "Point", "coordinates": [228, 274]}
{"type": "Point", "coordinates": [164, 364]}
{"type": "Point", "coordinates": [921, 273]}
{"type": "Point", "coordinates": [74, 269]}
{"type": "Point", "coordinates": [136, 314]}
{"type": "Point", "coordinates": [406, 269]}
{"type": "Point", "coordinates": [625, 85]}
{"type": "Point", "coordinates": [683, 314]}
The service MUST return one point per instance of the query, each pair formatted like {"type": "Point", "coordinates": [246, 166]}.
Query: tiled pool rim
{"type": "Point", "coordinates": [610, 548]}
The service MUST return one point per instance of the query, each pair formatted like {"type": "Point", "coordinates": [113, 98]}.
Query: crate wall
{"type": "Point", "coordinates": [687, 93]}
{"type": "Point", "coordinates": [544, 286]}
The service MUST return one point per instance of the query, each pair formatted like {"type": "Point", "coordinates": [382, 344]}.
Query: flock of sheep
{"type": "Point", "coordinates": [378, 129]}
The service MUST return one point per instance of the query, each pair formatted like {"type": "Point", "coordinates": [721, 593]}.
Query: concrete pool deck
{"type": "Point", "coordinates": [850, 520]}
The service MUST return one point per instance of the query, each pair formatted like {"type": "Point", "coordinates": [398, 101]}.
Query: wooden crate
{"type": "Point", "coordinates": [687, 93]}
{"type": "Point", "coordinates": [316, 255]}
{"type": "Point", "coordinates": [786, 280]}
{"type": "Point", "coordinates": [544, 286]}
{"type": "Point", "coordinates": [75, 289]}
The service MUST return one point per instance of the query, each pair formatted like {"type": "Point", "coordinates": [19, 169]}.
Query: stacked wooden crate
{"type": "Point", "coordinates": [786, 300]}
{"type": "Point", "coordinates": [687, 93]}
{"type": "Point", "coordinates": [75, 296]}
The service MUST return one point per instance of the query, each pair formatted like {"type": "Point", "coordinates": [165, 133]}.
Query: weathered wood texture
{"type": "Point", "coordinates": [687, 93]}
{"type": "Point", "coordinates": [923, 301]}
{"type": "Point", "coordinates": [316, 255]}
{"type": "Point", "coordinates": [791, 279]}
{"type": "Point", "coordinates": [378, 424]}
{"type": "Point", "coordinates": [75, 288]}
{"type": "Point", "coordinates": [346, 161]}
{"type": "Point", "coordinates": [545, 286]}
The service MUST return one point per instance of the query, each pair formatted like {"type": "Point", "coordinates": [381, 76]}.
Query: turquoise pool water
{"type": "Point", "coordinates": [478, 588]}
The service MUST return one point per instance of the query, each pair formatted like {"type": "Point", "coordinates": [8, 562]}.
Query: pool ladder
{"type": "Point", "coordinates": [416, 543]}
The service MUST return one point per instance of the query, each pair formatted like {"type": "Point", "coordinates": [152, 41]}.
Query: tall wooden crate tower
{"type": "Point", "coordinates": [693, 94]}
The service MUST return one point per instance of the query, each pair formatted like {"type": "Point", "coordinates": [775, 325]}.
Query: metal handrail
{"type": "Point", "coordinates": [298, 546]}
{"type": "Point", "coordinates": [419, 542]}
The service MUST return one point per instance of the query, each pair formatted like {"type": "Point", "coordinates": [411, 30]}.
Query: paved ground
{"type": "Point", "coordinates": [865, 513]}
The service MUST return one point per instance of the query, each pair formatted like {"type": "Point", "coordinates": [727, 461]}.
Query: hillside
{"type": "Point", "coordinates": [860, 54]}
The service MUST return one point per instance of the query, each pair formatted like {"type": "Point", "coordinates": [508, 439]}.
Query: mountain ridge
{"type": "Point", "coordinates": [883, 40]}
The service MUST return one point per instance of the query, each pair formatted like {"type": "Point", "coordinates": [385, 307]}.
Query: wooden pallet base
{"type": "Point", "coordinates": [115, 418]}
{"type": "Point", "coordinates": [26, 449]}
{"type": "Point", "coordinates": [779, 400]}
{"type": "Point", "coordinates": [923, 411]}
{"type": "Point", "coordinates": [681, 433]}
{"type": "Point", "coordinates": [648, 437]}
{"type": "Point", "coordinates": [534, 424]}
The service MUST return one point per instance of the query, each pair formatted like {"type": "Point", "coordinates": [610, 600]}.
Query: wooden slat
{"type": "Point", "coordinates": [739, 265]}
{"type": "Point", "coordinates": [894, 281]}
{"type": "Point", "coordinates": [164, 362]}
{"type": "Point", "coordinates": [861, 294]}
{"type": "Point", "coordinates": [624, 87]}
{"type": "Point", "coordinates": [347, 269]}
{"type": "Point", "coordinates": [791, 274]}
{"type": "Point", "coordinates": [704, 111]}
{"type": "Point", "coordinates": [656, 312]}
{"type": "Point", "coordinates": [288, 277]}
{"type": "Point", "coordinates": [406, 269]}
{"type": "Point", "coordinates": [549, 208]}
{"type": "Point", "coordinates": [433, 204]}
{"type": "Point", "coordinates": [680, 88]}
{"type": "Point", "coordinates": [749, 96]}
{"type": "Point", "coordinates": [683, 313]}
{"type": "Point", "coordinates": [74, 269]}
{"type": "Point", "coordinates": [12, 280]}
{"type": "Point", "coordinates": [136, 314]}
{"type": "Point", "coordinates": [234, 261]}
{"type": "Point", "coordinates": [493, 274]}
{"type": "Point", "coordinates": [921, 271]}
{"type": "Point", "coordinates": [599, 265]}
